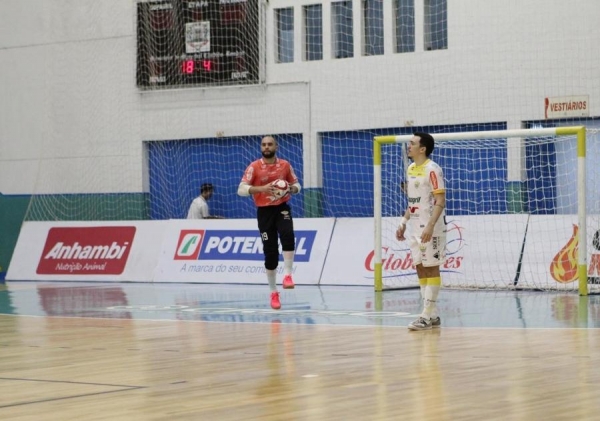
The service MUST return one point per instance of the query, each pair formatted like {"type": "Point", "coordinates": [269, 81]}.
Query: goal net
{"type": "Point", "coordinates": [522, 209]}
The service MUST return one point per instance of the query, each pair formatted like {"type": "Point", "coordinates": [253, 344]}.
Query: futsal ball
{"type": "Point", "coordinates": [282, 187]}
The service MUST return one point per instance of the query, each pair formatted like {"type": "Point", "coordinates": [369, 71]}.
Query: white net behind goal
{"type": "Point", "coordinates": [511, 212]}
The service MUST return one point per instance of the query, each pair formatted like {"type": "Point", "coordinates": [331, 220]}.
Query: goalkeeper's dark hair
{"type": "Point", "coordinates": [426, 140]}
{"type": "Point", "coordinates": [206, 187]}
{"type": "Point", "coordinates": [272, 137]}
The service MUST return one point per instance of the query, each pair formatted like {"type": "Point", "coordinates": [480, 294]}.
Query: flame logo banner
{"type": "Point", "coordinates": [564, 265]}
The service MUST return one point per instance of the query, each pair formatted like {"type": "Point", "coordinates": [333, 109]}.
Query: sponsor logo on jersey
{"type": "Point", "coordinates": [434, 181]}
{"type": "Point", "coordinates": [249, 175]}
{"type": "Point", "coordinates": [86, 250]}
{"type": "Point", "coordinates": [235, 245]}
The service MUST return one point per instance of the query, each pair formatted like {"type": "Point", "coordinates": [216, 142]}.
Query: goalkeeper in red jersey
{"type": "Point", "coordinates": [425, 217]}
{"type": "Point", "coordinates": [273, 212]}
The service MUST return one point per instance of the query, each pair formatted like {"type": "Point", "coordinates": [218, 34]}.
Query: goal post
{"type": "Point", "coordinates": [448, 147]}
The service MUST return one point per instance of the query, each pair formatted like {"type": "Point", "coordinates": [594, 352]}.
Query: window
{"type": "Point", "coordinates": [405, 25]}
{"type": "Point", "coordinates": [342, 31]}
{"type": "Point", "coordinates": [436, 25]}
{"type": "Point", "coordinates": [373, 24]}
{"type": "Point", "coordinates": [285, 35]}
{"type": "Point", "coordinates": [313, 34]}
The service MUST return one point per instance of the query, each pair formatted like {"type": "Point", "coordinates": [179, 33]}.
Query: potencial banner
{"type": "Point", "coordinates": [230, 251]}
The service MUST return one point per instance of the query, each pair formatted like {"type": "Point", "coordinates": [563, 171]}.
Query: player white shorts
{"type": "Point", "coordinates": [431, 253]}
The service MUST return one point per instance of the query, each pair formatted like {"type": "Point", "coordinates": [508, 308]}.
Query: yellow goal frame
{"type": "Point", "coordinates": [578, 131]}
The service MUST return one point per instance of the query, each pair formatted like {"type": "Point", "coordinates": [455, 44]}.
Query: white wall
{"type": "Point", "coordinates": [68, 92]}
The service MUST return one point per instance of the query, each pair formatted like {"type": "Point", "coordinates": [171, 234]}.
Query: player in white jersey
{"type": "Point", "coordinates": [425, 218]}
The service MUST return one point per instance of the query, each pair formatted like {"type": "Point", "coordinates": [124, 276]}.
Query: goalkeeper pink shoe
{"type": "Point", "coordinates": [275, 303]}
{"type": "Point", "coordinates": [288, 283]}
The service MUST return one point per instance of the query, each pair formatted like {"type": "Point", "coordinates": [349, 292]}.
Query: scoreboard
{"type": "Point", "coordinates": [183, 43]}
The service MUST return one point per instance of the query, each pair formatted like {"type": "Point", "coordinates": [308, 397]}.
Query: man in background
{"type": "Point", "coordinates": [199, 207]}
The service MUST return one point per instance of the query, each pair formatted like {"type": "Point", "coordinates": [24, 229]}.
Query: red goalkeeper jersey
{"type": "Point", "coordinates": [260, 173]}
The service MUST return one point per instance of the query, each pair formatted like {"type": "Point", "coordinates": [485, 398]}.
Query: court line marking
{"type": "Point", "coordinates": [372, 325]}
{"type": "Point", "coordinates": [124, 389]}
{"type": "Point", "coordinates": [23, 379]}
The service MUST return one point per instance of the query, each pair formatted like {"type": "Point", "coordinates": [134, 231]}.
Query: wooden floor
{"type": "Point", "coordinates": [173, 352]}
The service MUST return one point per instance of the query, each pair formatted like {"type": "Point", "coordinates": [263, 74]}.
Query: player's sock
{"type": "Point", "coordinates": [272, 278]}
{"type": "Point", "coordinates": [422, 285]}
{"type": "Point", "coordinates": [431, 293]}
{"type": "Point", "coordinates": [288, 262]}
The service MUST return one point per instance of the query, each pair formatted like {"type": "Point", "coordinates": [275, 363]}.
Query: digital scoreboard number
{"type": "Point", "coordinates": [182, 43]}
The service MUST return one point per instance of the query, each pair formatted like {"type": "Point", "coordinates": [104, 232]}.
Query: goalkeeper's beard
{"type": "Point", "coordinates": [268, 154]}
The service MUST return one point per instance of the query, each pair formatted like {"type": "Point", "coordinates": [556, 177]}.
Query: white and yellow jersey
{"type": "Point", "coordinates": [424, 181]}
